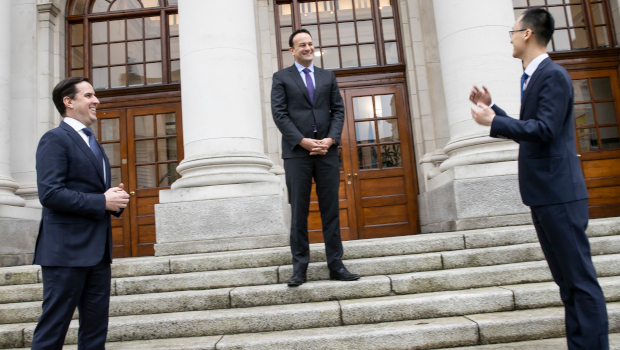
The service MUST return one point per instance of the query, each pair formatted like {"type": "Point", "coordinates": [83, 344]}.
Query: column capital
{"type": "Point", "coordinates": [47, 12]}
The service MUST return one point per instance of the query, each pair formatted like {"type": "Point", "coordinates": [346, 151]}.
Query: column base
{"type": "Point", "coordinates": [220, 218]}
{"type": "Point", "coordinates": [20, 227]}
{"type": "Point", "coordinates": [473, 197]}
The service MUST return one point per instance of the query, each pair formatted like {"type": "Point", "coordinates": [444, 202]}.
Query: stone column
{"type": "Point", "coordinates": [227, 198]}
{"type": "Point", "coordinates": [478, 180]}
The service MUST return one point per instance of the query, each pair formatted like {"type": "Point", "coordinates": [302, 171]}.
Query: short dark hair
{"type": "Point", "coordinates": [65, 88]}
{"type": "Point", "coordinates": [541, 22]}
{"type": "Point", "coordinates": [290, 38]}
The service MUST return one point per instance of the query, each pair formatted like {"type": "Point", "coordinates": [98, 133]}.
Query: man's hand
{"type": "Point", "coordinates": [476, 95]}
{"type": "Point", "coordinates": [116, 198]}
{"type": "Point", "coordinates": [316, 147]}
{"type": "Point", "coordinates": [325, 144]}
{"type": "Point", "coordinates": [482, 114]}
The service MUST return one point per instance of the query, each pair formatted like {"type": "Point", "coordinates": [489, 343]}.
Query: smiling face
{"type": "Point", "coordinates": [303, 49]}
{"type": "Point", "coordinates": [84, 106]}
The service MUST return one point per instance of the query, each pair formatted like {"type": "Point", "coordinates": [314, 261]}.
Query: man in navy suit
{"type": "Point", "coordinates": [550, 178]}
{"type": "Point", "coordinates": [74, 246]}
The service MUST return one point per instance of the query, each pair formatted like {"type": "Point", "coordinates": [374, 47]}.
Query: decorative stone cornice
{"type": "Point", "coordinates": [47, 11]}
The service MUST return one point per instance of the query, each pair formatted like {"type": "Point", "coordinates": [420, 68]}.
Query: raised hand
{"type": "Point", "coordinates": [480, 95]}
{"type": "Point", "coordinates": [482, 114]}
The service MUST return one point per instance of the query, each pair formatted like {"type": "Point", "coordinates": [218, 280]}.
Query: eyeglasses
{"type": "Point", "coordinates": [513, 31]}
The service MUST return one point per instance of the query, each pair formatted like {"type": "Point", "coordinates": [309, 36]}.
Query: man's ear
{"type": "Point", "coordinates": [68, 102]}
{"type": "Point", "coordinates": [291, 50]}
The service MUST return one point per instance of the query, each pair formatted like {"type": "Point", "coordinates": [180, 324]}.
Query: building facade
{"type": "Point", "coordinates": [185, 114]}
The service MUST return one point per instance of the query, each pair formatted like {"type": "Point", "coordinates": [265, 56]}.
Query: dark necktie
{"type": "Point", "coordinates": [523, 79]}
{"type": "Point", "coordinates": [310, 86]}
{"type": "Point", "coordinates": [94, 146]}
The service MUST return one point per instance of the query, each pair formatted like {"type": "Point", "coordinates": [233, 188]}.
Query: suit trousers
{"type": "Point", "coordinates": [64, 289]}
{"type": "Point", "coordinates": [326, 173]}
{"type": "Point", "coordinates": [561, 232]}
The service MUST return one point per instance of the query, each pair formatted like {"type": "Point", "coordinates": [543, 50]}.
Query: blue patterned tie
{"type": "Point", "coordinates": [94, 146]}
{"type": "Point", "coordinates": [523, 79]}
{"type": "Point", "coordinates": [310, 86]}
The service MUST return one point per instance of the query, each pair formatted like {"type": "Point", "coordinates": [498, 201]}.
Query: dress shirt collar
{"type": "Point", "coordinates": [531, 68]}
{"type": "Point", "coordinates": [301, 68]}
{"type": "Point", "coordinates": [74, 123]}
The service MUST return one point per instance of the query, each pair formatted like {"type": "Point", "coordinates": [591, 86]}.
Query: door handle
{"type": "Point", "coordinates": [132, 193]}
{"type": "Point", "coordinates": [349, 175]}
{"type": "Point", "coordinates": [355, 174]}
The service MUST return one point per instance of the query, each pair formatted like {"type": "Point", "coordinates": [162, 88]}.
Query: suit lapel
{"type": "Point", "coordinates": [84, 147]}
{"type": "Point", "coordinates": [531, 83]}
{"type": "Point", "coordinates": [300, 83]}
{"type": "Point", "coordinates": [318, 79]}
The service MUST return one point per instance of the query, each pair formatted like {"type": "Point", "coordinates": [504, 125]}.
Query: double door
{"type": "Point", "coordinates": [377, 194]}
{"type": "Point", "coordinates": [144, 146]}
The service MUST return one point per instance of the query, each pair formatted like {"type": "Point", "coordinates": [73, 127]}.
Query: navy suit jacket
{"type": "Point", "coordinates": [294, 113]}
{"type": "Point", "coordinates": [549, 170]}
{"type": "Point", "coordinates": [74, 224]}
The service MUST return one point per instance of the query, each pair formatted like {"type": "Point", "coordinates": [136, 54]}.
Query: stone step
{"type": "Point", "coordinates": [544, 344]}
{"type": "Point", "coordinates": [358, 249]}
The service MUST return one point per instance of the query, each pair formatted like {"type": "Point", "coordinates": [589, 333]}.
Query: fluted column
{"type": "Point", "coordinates": [8, 186]}
{"type": "Point", "coordinates": [475, 48]}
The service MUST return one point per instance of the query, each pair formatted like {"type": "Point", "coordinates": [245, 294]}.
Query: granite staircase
{"type": "Point", "coordinates": [459, 290]}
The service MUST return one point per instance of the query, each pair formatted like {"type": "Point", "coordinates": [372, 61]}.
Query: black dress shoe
{"type": "Point", "coordinates": [297, 280]}
{"type": "Point", "coordinates": [343, 275]}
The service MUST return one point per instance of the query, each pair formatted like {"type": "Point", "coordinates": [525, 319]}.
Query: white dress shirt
{"type": "Point", "coordinates": [78, 126]}
{"type": "Point", "coordinates": [301, 68]}
{"type": "Point", "coordinates": [531, 68]}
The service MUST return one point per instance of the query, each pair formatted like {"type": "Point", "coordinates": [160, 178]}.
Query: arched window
{"type": "Point", "coordinates": [124, 43]}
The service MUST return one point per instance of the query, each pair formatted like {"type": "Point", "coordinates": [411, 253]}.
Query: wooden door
{"type": "Point", "coordinates": [597, 116]}
{"type": "Point", "coordinates": [155, 147]}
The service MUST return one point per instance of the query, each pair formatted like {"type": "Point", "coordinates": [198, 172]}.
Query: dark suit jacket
{"type": "Point", "coordinates": [293, 111]}
{"type": "Point", "coordinates": [74, 223]}
{"type": "Point", "coordinates": [549, 170]}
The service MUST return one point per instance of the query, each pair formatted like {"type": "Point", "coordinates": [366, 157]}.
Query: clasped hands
{"type": "Point", "coordinates": [317, 147]}
{"type": "Point", "coordinates": [116, 198]}
{"type": "Point", "coordinates": [481, 112]}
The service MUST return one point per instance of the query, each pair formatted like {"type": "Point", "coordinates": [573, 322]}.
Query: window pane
{"type": "Point", "coordinates": [121, 5]}
{"type": "Point", "coordinates": [166, 124]}
{"type": "Point", "coordinates": [601, 36]}
{"type": "Point", "coordinates": [368, 157]}
{"type": "Point", "coordinates": [558, 16]}
{"type": "Point", "coordinates": [117, 53]}
{"type": "Point", "coordinates": [391, 53]}
{"type": "Point", "coordinates": [349, 56]}
{"type": "Point", "coordinates": [609, 138]}
{"type": "Point", "coordinates": [347, 33]}
{"type": "Point", "coordinates": [582, 90]}
{"type": "Point", "coordinates": [575, 15]}
{"type": "Point", "coordinates": [344, 10]}
{"type": "Point", "coordinates": [285, 15]}
{"type": "Point", "coordinates": [143, 126]}
{"type": "Point", "coordinates": [331, 58]}
{"type": "Point", "coordinates": [117, 30]}
{"type": "Point", "coordinates": [537, 2]}
{"type": "Point", "coordinates": [115, 176]}
{"type": "Point", "coordinates": [100, 55]}
{"type": "Point", "coordinates": [287, 59]}
{"type": "Point", "coordinates": [152, 50]}
{"type": "Point", "coordinates": [561, 41]}
{"type": "Point", "coordinates": [100, 32]}
{"type": "Point", "coordinates": [175, 71]}
{"type": "Point", "coordinates": [174, 48]}
{"type": "Point", "coordinates": [390, 156]}
{"type": "Point", "coordinates": [77, 34]}
{"type": "Point", "coordinates": [146, 176]}
{"type": "Point", "coordinates": [518, 13]}
{"type": "Point", "coordinates": [118, 77]}
{"type": "Point", "coordinates": [598, 14]}
{"type": "Point", "coordinates": [135, 51]}
{"type": "Point", "coordinates": [362, 107]}
{"type": "Point", "coordinates": [307, 12]}
{"type": "Point", "coordinates": [606, 113]}
{"type": "Point", "coordinates": [584, 115]}
{"type": "Point", "coordinates": [388, 130]}
{"type": "Point", "coordinates": [365, 132]}
{"type": "Point", "coordinates": [365, 32]}
{"type": "Point", "coordinates": [153, 73]}
{"type": "Point", "coordinates": [78, 7]}
{"type": "Point", "coordinates": [317, 59]}
{"type": "Point", "coordinates": [110, 129]}
{"type": "Point", "coordinates": [388, 29]}
{"type": "Point", "coordinates": [167, 149]}
{"type": "Point", "coordinates": [385, 106]}
{"type": "Point", "coordinates": [100, 78]}
{"type": "Point", "coordinates": [77, 73]}
{"type": "Point", "coordinates": [134, 29]}
{"type": "Point", "coordinates": [602, 88]}
{"type": "Point", "coordinates": [152, 27]}
{"type": "Point", "coordinates": [314, 33]}
{"type": "Point", "coordinates": [519, 3]}
{"type": "Point", "coordinates": [326, 11]}
{"type": "Point", "coordinates": [173, 2]}
{"type": "Point", "coordinates": [173, 24]}
{"type": "Point", "coordinates": [386, 8]}
{"type": "Point", "coordinates": [113, 151]}
{"type": "Point", "coordinates": [167, 174]}
{"type": "Point", "coordinates": [145, 151]}
{"type": "Point", "coordinates": [135, 74]}
{"type": "Point", "coordinates": [363, 9]}
{"type": "Point", "coordinates": [587, 140]}
{"type": "Point", "coordinates": [554, 2]}
{"type": "Point", "coordinates": [285, 34]}
{"type": "Point", "coordinates": [368, 55]}
{"type": "Point", "coordinates": [150, 3]}
{"type": "Point", "coordinates": [77, 57]}
{"type": "Point", "coordinates": [100, 6]}
{"type": "Point", "coordinates": [579, 38]}
{"type": "Point", "coordinates": [328, 35]}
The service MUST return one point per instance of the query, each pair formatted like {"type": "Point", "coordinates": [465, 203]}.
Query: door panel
{"type": "Point", "coordinates": [597, 116]}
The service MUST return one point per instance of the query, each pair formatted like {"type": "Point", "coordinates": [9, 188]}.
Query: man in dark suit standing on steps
{"type": "Point", "coordinates": [308, 109]}
{"type": "Point", "coordinates": [74, 246]}
{"type": "Point", "coordinates": [550, 177]}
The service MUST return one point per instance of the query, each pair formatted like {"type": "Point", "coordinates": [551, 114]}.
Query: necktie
{"type": "Point", "coordinates": [523, 79]}
{"type": "Point", "coordinates": [310, 86]}
{"type": "Point", "coordinates": [94, 146]}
